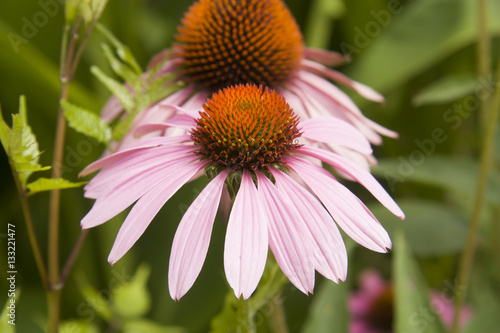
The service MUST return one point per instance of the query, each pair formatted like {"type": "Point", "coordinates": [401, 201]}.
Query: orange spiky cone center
{"type": "Point", "coordinates": [228, 42]}
{"type": "Point", "coordinates": [246, 127]}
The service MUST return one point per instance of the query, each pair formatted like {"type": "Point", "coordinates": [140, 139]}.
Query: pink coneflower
{"type": "Point", "coordinates": [247, 140]}
{"type": "Point", "coordinates": [223, 43]}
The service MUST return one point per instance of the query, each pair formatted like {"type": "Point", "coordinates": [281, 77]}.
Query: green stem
{"type": "Point", "coordinates": [72, 257]}
{"type": "Point", "coordinates": [54, 294]}
{"type": "Point", "coordinates": [278, 318]}
{"type": "Point", "coordinates": [37, 254]}
{"type": "Point", "coordinates": [484, 59]}
{"type": "Point", "coordinates": [486, 159]}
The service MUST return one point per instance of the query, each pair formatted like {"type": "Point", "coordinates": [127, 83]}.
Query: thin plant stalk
{"type": "Point", "coordinates": [484, 58]}
{"type": "Point", "coordinates": [37, 254]}
{"type": "Point", "coordinates": [71, 51]}
{"type": "Point", "coordinates": [470, 246]}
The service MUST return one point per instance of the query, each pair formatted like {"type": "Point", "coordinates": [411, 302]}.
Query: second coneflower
{"type": "Point", "coordinates": [249, 142]}
{"type": "Point", "coordinates": [223, 43]}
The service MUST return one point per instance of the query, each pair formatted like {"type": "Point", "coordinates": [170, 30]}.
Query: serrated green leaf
{"type": "Point", "coordinates": [4, 132]}
{"type": "Point", "coordinates": [432, 229]}
{"type": "Point", "coordinates": [148, 326]}
{"type": "Point", "coordinates": [121, 92]}
{"type": "Point", "coordinates": [77, 326]}
{"type": "Point", "coordinates": [447, 89]}
{"type": "Point", "coordinates": [49, 184]}
{"type": "Point", "coordinates": [132, 299]}
{"type": "Point", "coordinates": [413, 311]}
{"type": "Point", "coordinates": [86, 122]}
{"type": "Point", "coordinates": [124, 71]}
{"type": "Point", "coordinates": [122, 50]}
{"type": "Point", "coordinates": [22, 146]}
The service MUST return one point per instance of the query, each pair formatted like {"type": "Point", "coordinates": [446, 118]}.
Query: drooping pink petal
{"type": "Point", "coordinates": [343, 206]}
{"type": "Point", "coordinates": [356, 172]}
{"type": "Point", "coordinates": [147, 207]}
{"type": "Point", "coordinates": [328, 58]}
{"type": "Point", "coordinates": [335, 131]}
{"type": "Point", "coordinates": [330, 252]}
{"type": "Point", "coordinates": [321, 85]}
{"type": "Point", "coordinates": [245, 249]}
{"type": "Point", "coordinates": [112, 109]}
{"type": "Point", "coordinates": [288, 239]}
{"type": "Point", "coordinates": [143, 144]}
{"type": "Point", "coordinates": [360, 88]}
{"type": "Point", "coordinates": [179, 120]}
{"type": "Point", "coordinates": [180, 109]}
{"type": "Point", "coordinates": [191, 240]}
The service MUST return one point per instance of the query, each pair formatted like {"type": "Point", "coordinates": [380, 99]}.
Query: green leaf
{"type": "Point", "coordinates": [457, 175]}
{"type": "Point", "coordinates": [132, 299]}
{"type": "Point", "coordinates": [124, 71]}
{"type": "Point", "coordinates": [148, 326]}
{"type": "Point", "coordinates": [413, 311]}
{"type": "Point", "coordinates": [238, 315]}
{"type": "Point", "coordinates": [122, 50]}
{"type": "Point", "coordinates": [320, 21]}
{"type": "Point", "coordinates": [86, 122]}
{"type": "Point", "coordinates": [95, 299]}
{"type": "Point", "coordinates": [123, 94]}
{"type": "Point", "coordinates": [49, 184]}
{"type": "Point", "coordinates": [431, 228]}
{"type": "Point", "coordinates": [4, 132]}
{"type": "Point", "coordinates": [21, 145]}
{"type": "Point", "coordinates": [328, 311]}
{"type": "Point", "coordinates": [447, 89]}
{"type": "Point", "coordinates": [77, 326]}
{"type": "Point", "coordinates": [419, 35]}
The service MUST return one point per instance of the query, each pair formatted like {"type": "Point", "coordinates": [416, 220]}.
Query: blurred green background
{"type": "Point", "coordinates": [422, 55]}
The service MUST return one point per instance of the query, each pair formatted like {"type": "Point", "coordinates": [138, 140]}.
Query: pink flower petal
{"type": "Point", "coordinates": [245, 250]}
{"type": "Point", "coordinates": [136, 165]}
{"type": "Point", "coordinates": [191, 240]}
{"type": "Point", "coordinates": [143, 144]}
{"type": "Point", "coordinates": [335, 131]}
{"type": "Point", "coordinates": [112, 109]}
{"type": "Point", "coordinates": [330, 252]}
{"type": "Point", "coordinates": [356, 172]}
{"type": "Point", "coordinates": [360, 88]}
{"type": "Point", "coordinates": [147, 207]}
{"type": "Point", "coordinates": [179, 120]}
{"type": "Point", "coordinates": [129, 188]}
{"type": "Point", "coordinates": [293, 250]}
{"type": "Point", "coordinates": [328, 58]}
{"type": "Point", "coordinates": [343, 206]}
{"type": "Point", "coordinates": [328, 89]}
